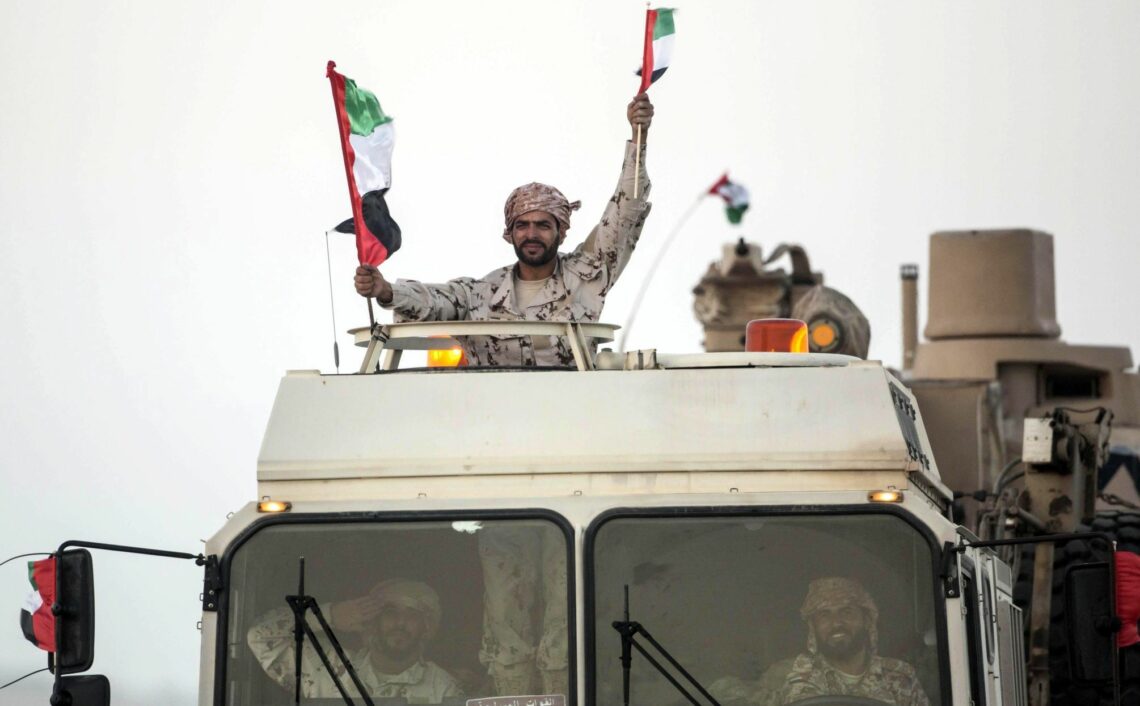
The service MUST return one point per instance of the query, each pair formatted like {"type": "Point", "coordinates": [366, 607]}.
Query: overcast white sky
{"type": "Point", "coordinates": [167, 171]}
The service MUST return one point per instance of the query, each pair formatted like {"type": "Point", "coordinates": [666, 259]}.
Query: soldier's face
{"type": "Point", "coordinates": [840, 631]}
{"type": "Point", "coordinates": [535, 237]}
{"type": "Point", "coordinates": [400, 631]}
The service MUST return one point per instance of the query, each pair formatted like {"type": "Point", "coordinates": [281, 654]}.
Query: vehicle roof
{"type": "Point", "coordinates": [840, 416]}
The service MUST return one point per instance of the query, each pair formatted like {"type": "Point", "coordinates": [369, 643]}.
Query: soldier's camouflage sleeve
{"type": "Point", "coordinates": [615, 236]}
{"type": "Point", "coordinates": [272, 644]}
{"type": "Point", "coordinates": [417, 301]}
{"type": "Point", "coordinates": [904, 682]}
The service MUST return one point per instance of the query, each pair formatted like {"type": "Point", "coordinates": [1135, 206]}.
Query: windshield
{"type": "Point", "coordinates": [427, 612]}
{"type": "Point", "coordinates": [769, 610]}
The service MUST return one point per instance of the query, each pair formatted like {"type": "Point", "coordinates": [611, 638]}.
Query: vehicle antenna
{"type": "Point", "coordinates": [21, 556]}
{"type": "Point", "coordinates": [24, 677]}
{"type": "Point", "coordinates": [332, 305]}
{"type": "Point", "coordinates": [653, 269]}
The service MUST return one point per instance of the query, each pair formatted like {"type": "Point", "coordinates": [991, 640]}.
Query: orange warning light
{"type": "Point", "coordinates": [823, 335]}
{"type": "Point", "coordinates": [776, 336]}
{"type": "Point", "coordinates": [446, 357]}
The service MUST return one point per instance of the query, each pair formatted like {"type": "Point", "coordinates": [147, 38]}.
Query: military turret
{"type": "Point", "coordinates": [743, 285]}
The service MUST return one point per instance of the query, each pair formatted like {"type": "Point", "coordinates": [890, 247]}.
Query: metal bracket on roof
{"type": "Point", "coordinates": [377, 338]}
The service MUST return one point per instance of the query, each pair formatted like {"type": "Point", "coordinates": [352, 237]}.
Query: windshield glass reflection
{"type": "Point", "coordinates": [427, 613]}
{"type": "Point", "coordinates": [771, 610]}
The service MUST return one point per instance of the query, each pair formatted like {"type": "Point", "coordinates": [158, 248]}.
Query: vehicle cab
{"type": "Point", "coordinates": [699, 497]}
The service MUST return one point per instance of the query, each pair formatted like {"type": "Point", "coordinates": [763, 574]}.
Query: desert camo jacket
{"type": "Point", "coordinates": [575, 292]}
{"type": "Point", "coordinates": [271, 641]}
{"type": "Point", "coordinates": [889, 680]}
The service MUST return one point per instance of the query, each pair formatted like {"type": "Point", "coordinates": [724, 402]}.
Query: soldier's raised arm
{"type": "Point", "coordinates": [615, 236]}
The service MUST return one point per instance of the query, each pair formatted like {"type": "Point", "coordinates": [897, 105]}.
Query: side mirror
{"type": "Point", "coordinates": [86, 690]}
{"type": "Point", "coordinates": [1090, 622]}
{"type": "Point", "coordinates": [74, 611]}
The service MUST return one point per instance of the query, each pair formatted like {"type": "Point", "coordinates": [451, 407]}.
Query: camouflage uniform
{"type": "Point", "coordinates": [575, 292]}
{"type": "Point", "coordinates": [889, 680]}
{"type": "Point", "coordinates": [524, 574]}
{"type": "Point", "coordinates": [272, 643]}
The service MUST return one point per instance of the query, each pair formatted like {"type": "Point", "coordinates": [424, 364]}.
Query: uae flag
{"type": "Point", "coordinates": [658, 46]}
{"type": "Point", "coordinates": [36, 619]}
{"type": "Point", "coordinates": [735, 198]}
{"type": "Point", "coordinates": [366, 140]}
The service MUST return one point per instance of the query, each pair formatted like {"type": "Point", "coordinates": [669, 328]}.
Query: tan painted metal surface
{"type": "Point", "coordinates": [462, 425]}
{"type": "Point", "coordinates": [991, 283]}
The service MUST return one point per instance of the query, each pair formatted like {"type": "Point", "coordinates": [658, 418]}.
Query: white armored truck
{"type": "Point", "coordinates": [641, 528]}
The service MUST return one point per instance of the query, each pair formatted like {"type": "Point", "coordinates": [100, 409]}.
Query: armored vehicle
{"type": "Point", "coordinates": [640, 528]}
{"type": "Point", "coordinates": [991, 373]}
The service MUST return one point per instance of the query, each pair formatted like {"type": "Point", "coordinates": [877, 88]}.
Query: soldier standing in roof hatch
{"type": "Point", "coordinates": [544, 285]}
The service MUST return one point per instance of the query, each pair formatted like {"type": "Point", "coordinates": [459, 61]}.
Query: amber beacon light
{"type": "Point", "coordinates": [776, 336]}
{"type": "Point", "coordinates": [452, 357]}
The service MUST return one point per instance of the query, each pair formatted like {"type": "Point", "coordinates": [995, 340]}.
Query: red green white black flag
{"type": "Point", "coordinates": [366, 140]}
{"type": "Point", "coordinates": [36, 619]}
{"type": "Point", "coordinates": [735, 198]}
{"type": "Point", "coordinates": [658, 47]}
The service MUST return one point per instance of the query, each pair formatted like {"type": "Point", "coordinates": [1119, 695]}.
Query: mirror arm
{"type": "Point", "coordinates": [199, 559]}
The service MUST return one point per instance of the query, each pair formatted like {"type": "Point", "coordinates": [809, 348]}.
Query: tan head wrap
{"type": "Point", "coordinates": [837, 592]}
{"type": "Point", "coordinates": [411, 594]}
{"type": "Point", "coordinates": [538, 197]}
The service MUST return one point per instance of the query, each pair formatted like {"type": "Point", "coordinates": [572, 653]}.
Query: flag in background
{"type": "Point", "coordinates": [658, 46]}
{"type": "Point", "coordinates": [366, 139]}
{"type": "Point", "coordinates": [36, 619]}
{"type": "Point", "coordinates": [735, 198]}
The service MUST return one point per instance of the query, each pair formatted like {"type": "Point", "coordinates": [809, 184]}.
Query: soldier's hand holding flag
{"type": "Point", "coordinates": [370, 283]}
{"type": "Point", "coordinates": [640, 115]}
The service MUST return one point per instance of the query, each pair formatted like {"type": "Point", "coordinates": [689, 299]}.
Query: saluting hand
{"type": "Point", "coordinates": [370, 283]}
{"type": "Point", "coordinates": [640, 112]}
{"type": "Point", "coordinates": [354, 615]}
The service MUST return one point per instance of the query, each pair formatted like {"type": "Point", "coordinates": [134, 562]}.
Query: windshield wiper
{"type": "Point", "coordinates": [300, 604]}
{"type": "Point", "coordinates": [629, 630]}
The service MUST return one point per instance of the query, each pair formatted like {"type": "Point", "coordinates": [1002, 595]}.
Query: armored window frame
{"type": "Point", "coordinates": [974, 650]}
{"type": "Point", "coordinates": [221, 660]}
{"type": "Point", "coordinates": [589, 571]}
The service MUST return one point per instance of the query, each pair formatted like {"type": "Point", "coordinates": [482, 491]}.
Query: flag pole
{"type": "Point", "coordinates": [637, 162]}
{"type": "Point", "coordinates": [653, 269]}
{"type": "Point", "coordinates": [646, 73]}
